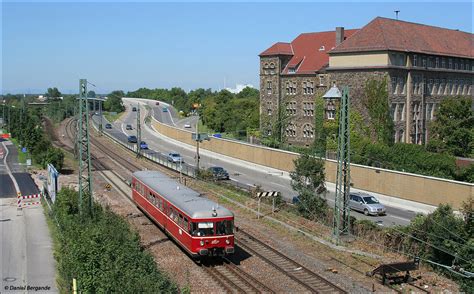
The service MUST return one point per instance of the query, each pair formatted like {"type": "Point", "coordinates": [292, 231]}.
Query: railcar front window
{"type": "Point", "coordinates": [203, 229]}
{"type": "Point", "coordinates": [225, 227]}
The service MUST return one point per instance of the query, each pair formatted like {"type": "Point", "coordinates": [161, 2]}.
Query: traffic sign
{"type": "Point", "coordinates": [23, 149]}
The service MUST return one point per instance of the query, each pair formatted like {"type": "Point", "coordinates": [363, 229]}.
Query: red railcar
{"type": "Point", "coordinates": [199, 225]}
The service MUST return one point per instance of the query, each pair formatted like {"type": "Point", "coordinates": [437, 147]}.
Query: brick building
{"type": "Point", "coordinates": [422, 64]}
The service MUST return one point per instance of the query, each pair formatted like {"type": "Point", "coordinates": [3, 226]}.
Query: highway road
{"type": "Point", "coordinates": [26, 256]}
{"type": "Point", "coordinates": [244, 173]}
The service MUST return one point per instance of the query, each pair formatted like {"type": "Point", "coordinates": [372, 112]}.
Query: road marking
{"type": "Point", "coordinates": [123, 130]}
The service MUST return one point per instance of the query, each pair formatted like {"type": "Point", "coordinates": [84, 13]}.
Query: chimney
{"type": "Point", "coordinates": [339, 35]}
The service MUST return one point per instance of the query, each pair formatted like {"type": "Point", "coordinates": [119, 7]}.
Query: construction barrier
{"type": "Point", "coordinates": [33, 196]}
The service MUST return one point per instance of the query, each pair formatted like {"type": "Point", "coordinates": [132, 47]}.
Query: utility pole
{"type": "Point", "coordinates": [85, 172]}
{"type": "Point", "coordinates": [139, 131]}
{"type": "Point", "coordinates": [341, 206]}
{"type": "Point", "coordinates": [198, 139]}
{"type": "Point", "coordinates": [101, 120]}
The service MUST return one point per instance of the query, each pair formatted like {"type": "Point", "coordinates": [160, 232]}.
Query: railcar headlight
{"type": "Point", "coordinates": [202, 242]}
{"type": "Point", "coordinates": [227, 241]}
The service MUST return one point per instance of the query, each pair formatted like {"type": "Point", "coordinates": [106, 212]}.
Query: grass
{"type": "Point", "coordinates": [22, 157]}
{"type": "Point", "coordinates": [112, 117]}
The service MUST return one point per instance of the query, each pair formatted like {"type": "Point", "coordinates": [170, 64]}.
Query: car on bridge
{"type": "Point", "coordinates": [128, 127]}
{"type": "Point", "coordinates": [108, 126]}
{"type": "Point", "coordinates": [366, 203]}
{"type": "Point", "coordinates": [187, 126]}
{"type": "Point", "coordinates": [157, 103]}
{"type": "Point", "coordinates": [143, 145]}
{"type": "Point", "coordinates": [175, 157]}
{"type": "Point", "coordinates": [132, 139]}
{"type": "Point", "coordinates": [134, 109]}
{"type": "Point", "coordinates": [165, 109]}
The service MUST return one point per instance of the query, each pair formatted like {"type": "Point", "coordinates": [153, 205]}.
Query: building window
{"type": "Point", "coordinates": [454, 89]}
{"type": "Point", "coordinates": [443, 62]}
{"type": "Point", "coordinates": [291, 108]}
{"type": "Point", "coordinates": [401, 111]}
{"type": "Point", "coordinates": [447, 91]}
{"type": "Point", "coordinates": [441, 86]}
{"type": "Point", "coordinates": [269, 108]}
{"type": "Point", "coordinates": [331, 110]}
{"type": "Point", "coordinates": [450, 66]}
{"type": "Point", "coordinates": [401, 85]}
{"type": "Point", "coordinates": [291, 130]}
{"type": "Point", "coordinates": [430, 87]}
{"type": "Point", "coordinates": [291, 70]}
{"type": "Point", "coordinates": [394, 85]}
{"type": "Point", "coordinates": [308, 88]}
{"type": "Point", "coordinates": [308, 109]}
{"type": "Point", "coordinates": [424, 61]}
{"type": "Point", "coordinates": [415, 60]}
{"type": "Point", "coordinates": [308, 131]}
{"type": "Point", "coordinates": [394, 111]}
{"type": "Point", "coordinates": [291, 88]}
{"type": "Point", "coordinates": [461, 65]}
{"type": "Point", "coordinates": [269, 87]}
{"type": "Point", "coordinates": [401, 137]}
{"type": "Point", "coordinates": [305, 89]}
{"type": "Point", "coordinates": [437, 62]}
{"type": "Point", "coordinates": [429, 107]}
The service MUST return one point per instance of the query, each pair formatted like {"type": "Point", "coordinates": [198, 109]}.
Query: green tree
{"type": "Point", "coordinates": [114, 102]}
{"type": "Point", "coordinates": [308, 180]}
{"type": "Point", "coordinates": [319, 144]}
{"type": "Point", "coordinates": [377, 104]}
{"type": "Point", "coordinates": [91, 94]}
{"type": "Point", "coordinates": [453, 129]}
{"type": "Point", "coordinates": [53, 93]}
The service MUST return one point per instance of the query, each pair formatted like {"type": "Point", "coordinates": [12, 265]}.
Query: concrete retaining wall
{"type": "Point", "coordinates": [423, 189]}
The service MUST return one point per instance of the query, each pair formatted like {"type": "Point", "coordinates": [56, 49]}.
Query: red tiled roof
{"type": "Point", "coordinates": [279, 48]}
{"type": "Point", "coordinates": [307, 57]}
{"type": "Point", "coordinates": [389, 34]}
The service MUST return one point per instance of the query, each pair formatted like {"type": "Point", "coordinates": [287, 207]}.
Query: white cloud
{"type": "Point", "coordinates": [238, 88]}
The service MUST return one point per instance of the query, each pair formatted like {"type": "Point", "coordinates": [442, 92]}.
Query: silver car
{"type": "Point", "coordinates": [175, 157]}
{"type": "Point", "coordinates": [366, 203]}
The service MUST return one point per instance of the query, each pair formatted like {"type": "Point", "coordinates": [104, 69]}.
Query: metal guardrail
{"type": "Point", "coordinates": [156, 157]}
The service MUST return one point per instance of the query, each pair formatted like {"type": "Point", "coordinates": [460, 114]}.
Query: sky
{"type": "Point", "coordinates": [123, 45]}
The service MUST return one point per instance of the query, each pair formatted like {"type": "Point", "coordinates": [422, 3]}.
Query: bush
{"type": "Point", "coordinates": [102, 252]}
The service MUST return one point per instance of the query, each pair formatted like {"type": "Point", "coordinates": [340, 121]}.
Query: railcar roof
{"type": "Point", "coordinates": [181, 196]}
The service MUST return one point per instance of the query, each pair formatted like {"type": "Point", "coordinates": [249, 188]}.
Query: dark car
{"type": "Point", "coordinates": [134, 109]}
{"type": "Point", "coordinates": [157, 103]}
{"type": "Point", "coordinates": [295, 200]}
{"type": "Point", "coordinates": [132, 139]}
{"type": "Point", "coordinates": [108, 126]}
{"type": "Point", "coordinates": [143, 145]}
{"type": "Point", "coordinates": [219, 173]}
{"type": "Point", "coordinates": [128, 127]}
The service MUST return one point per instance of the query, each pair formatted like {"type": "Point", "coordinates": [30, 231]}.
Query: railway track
{"type": "Point", "coordinates": [229, 276]}
{"type": "Point", "coordinates": [233, 279]}
{"type": "Point", "coordinates": [297, 272]}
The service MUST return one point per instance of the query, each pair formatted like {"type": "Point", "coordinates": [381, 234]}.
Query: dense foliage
{"type": "Point", "coordinates": [308, 180]}
{"type": "Point", "coordinates": [53, 93]}
{"type": "Point", "coordinates": [440, 237]}
{"type": "Point", "coordinates": [376, 102]}
{"type": "Point", "coordinates": [103, 254]}
{"type": "Point", "coordinates": [453, 130]}
{"type": "Point", "coordinates": [24, 124]}
{"type": "Point", "coordinates": [114, 102]}
{"type": "Point", "coordinates": [220, 111]}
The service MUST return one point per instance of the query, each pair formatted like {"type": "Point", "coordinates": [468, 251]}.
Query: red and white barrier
{"type": "Point", "coordinates": [20, 198]}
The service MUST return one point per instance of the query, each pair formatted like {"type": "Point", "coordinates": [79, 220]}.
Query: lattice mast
{"type": "Point", "coordinates": [139, 131]}
{"type": "Point", "coordinates": [341, 209]}
{"type": "Point", "coordinates": [84, 155]}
